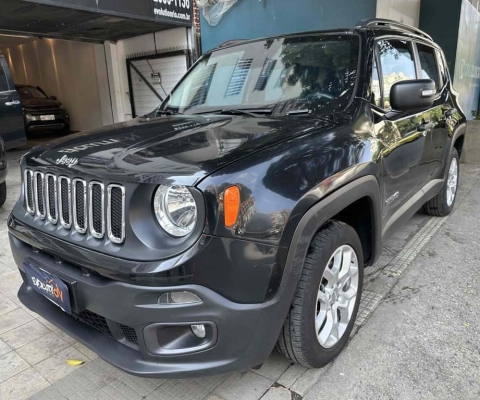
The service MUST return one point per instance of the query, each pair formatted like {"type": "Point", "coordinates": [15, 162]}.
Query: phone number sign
{"type": "Point", "coordinates": [178, 10]}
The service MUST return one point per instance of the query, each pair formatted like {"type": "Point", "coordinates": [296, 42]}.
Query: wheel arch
{"type": "Point", "coordinates": [338, 205]}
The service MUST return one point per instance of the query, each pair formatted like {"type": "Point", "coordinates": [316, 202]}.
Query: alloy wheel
{"type": "Point", "coordinates": [336, 296]}
{"type": "Point", "coordinates": [452, 181]}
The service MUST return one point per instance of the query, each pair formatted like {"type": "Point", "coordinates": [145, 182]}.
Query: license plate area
{"type": "Point", "coordinates": [49, 286]}
{"type": "Point", "coordinates": [47, 117]}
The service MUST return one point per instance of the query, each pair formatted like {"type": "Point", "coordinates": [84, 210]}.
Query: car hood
{"type": "Point", "coordinates": [40, 103]}
{"type": "Point", "coordinates": [171, 150]}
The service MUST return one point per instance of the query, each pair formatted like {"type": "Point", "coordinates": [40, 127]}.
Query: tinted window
{"type": "Point", "coordinates": [306, 72]}
{"type": "Point", "coordinates": [29, 92]}
{"type": "Point", "coordinates": [3, 80]}
{"type": "Point", "coordinates": [442, 68]}
{"type": "Point", "coordinates": [396, 57]}
{"type": "Point", "coordinates": [428, 63]}
{"type": "Point", "coordinates": [376, 93]}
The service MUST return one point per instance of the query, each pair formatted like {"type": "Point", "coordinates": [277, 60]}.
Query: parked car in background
{"type": "Point", "coordinates": [12, 129]}
{"type": "Point", "coordinates": [42, 113]}
{"type": "Point", "coordinates": [240, 214]}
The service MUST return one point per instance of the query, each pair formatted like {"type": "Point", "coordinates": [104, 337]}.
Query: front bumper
{"type": "Point", "coordinates": [244, 333]}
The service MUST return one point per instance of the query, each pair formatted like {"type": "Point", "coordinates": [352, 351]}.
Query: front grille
{"type": "Point", "coordinates": [95, 321]}
{"type": "Point", "coordinates": [78, 203]}
{"type": "Point", "coordinates": [129, 333]}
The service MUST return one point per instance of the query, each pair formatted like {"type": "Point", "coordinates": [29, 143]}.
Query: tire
{"type": "Point", "coordinates": [3, 193]}
{"type": "Point", "coordinates": [442, 204]}
{"type": "Point", "coordinates": [298, 340]}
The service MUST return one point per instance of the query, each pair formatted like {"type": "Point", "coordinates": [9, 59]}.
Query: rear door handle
{"type": "Point", "coordinates": [449, 113]}
{"type": "Point", "coordinates": [425, 127]}
{"type": "Point", "coordinates": [12, 103]}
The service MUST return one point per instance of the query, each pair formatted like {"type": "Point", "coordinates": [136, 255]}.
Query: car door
{"type": "Point", "coordinates": [12, 127]}
{"type": "Point", "coordinates": [403, 142]}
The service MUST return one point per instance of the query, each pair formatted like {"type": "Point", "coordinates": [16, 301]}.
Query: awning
{"type": "Point", "coordinates": [92, 20]}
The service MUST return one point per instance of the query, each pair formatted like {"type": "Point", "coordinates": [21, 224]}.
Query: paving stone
{"type": "Point", "coordinates": [291, 375]}
{"type": "Point", "coordinates": [141, 386]}
{"type": "Point", "coordinates": [245, 386]}
{"type": "Point", "coordinates": [55, 367]}
{"type": "Point", "coordinates": [65, 336]}
{"type": "Point", "coordinates": [181, 389]}
{"type": "Point", "coordinates": [211, 382]}
{"type": "Point", "coordinates": [6, 305]}
{"type": "Point", "coordinates": [22, 385]}
{"type": "Point", "coordinates": [50, 393]}
{"type": "Point", "coordinates": [76, 385]}
{"type": "Point", "coordinates": [85, 351]}
{"type": "Point", "coordinates": [273, 367]}
{"type": "Point", "coordinates": [100, 372]}
{"type": "Point", "coordinates": [4, 268]}
{"type": "Point", "coordinates": [14, 319]}
{"type": "Point", "coordinates": [10, 365]}
{"type": "Point", "coordinates": [4, 348]}
{"type": "Point", "coordinates": [11, 281]}
{"type": "Point", "coordinates": [42, 348]}
{"type": "Point", "coordinates": [48, 324]}
{"type": "Point", "coordinates": [24, 334]}
{"type": "Point", "coordinates": [277, 393]}
{"type": "Point", "coordinates": [306, 381]}
{"type": "Point", "coordinates": [213, 397]}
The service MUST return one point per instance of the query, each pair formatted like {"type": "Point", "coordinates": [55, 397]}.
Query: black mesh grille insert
{"type": "Point", "coordinates": [129, 333]}
{"type": "Point", "coordinates": [80, 204]}
{"type": "Point", "coordinates": [29, 191]}
{"type": "Point", "coordinates": [51, 197]}
{"type": "Point", "coordinates": [40, 204]}
{"type": "Point", "coordinates": [116, 212]}
{"type": "Point", "coordinates": [65, 202]}
{"type": "Point", "coordinates": [95, 321]}
{"type": "Point", "coordinates": [97, 219]}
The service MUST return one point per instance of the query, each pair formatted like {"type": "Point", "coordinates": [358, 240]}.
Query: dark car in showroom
{"type": "Point", "coordinates": [239, 215]}
{"type": "Point", "coordinates": [42, 112]}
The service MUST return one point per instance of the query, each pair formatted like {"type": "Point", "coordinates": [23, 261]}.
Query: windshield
{"type": "Point", "coordinates": [30, 92]}
{"type": "Point", "coordinates": [284, 74]}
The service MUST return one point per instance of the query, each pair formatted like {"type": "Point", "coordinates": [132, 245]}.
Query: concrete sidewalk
{"type": "Point", "coordinates": [420, 342]}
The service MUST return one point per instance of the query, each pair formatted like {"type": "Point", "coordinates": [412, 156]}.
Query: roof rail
{"type": "Point", "coordinates": [229, 43]}
{"type": "Point", "coordinates": [379, 22]}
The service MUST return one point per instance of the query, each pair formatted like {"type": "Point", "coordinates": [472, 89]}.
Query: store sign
{"type": "Point", "coordinates": [175, 11]}
{"type": "Point", "coordinates": [467, 65]}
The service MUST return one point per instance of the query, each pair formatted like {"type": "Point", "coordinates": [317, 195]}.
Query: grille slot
{"type": "Point", "coordinates": [79, 205]}
{"type": "Point", "coordinates": [29, 191]}
{"type": "Point", "coordinates": [97, 217]}
{"type": "Point", "coordinates": [51, 198]}
{"type": "Point", "coordinates": [129, 333]}
{"type": "Point", "coordinates": [64, 201]}
{"type": "Point", "coordinates": [116, 213]}
{"type": "Point", "coordinates": [38, 191]}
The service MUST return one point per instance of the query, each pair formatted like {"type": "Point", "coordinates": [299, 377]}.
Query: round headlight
{"type": "Point", "coordinates": [175, 209]}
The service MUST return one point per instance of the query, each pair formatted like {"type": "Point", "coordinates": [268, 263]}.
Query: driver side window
{"type": "Point", "coordinates": [397, 62]}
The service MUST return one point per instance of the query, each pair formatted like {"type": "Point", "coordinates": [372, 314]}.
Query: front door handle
{"type": "Point", "coordinates": [12, 103]}
{"type": "Point", "coordinates": [425, 127]}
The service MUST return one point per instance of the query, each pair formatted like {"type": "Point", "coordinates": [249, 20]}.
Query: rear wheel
{"type": "Point", "coordinates": [327, 298]}
{"type": "Point", "coordinates": [442, 204]}
{"type": "Point", "coordinates": [3, 193]}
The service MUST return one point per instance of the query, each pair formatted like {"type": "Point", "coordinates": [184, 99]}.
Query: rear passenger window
{"type": "Point", "coordinates": [396, 58]}
{"type": "Point", "coordinates": [3, 80]}
{"type": "Point", "coordinates": [428, 64]}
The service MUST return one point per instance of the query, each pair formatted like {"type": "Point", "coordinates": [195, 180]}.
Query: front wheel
{"type": "Point", "coordinates": [327, 298]}
{"type": "Point", "coordinates": [442, 204]}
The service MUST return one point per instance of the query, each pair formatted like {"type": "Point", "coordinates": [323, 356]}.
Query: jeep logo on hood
{"type": "Point", "coordinates": [89, 145]}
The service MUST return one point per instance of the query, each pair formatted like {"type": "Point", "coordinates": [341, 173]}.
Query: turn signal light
{"type": "Point", "coordinates": [231, 205]}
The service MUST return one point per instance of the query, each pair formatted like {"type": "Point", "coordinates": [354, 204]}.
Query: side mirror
{"type": "Point", "coordinates": [53, 97]}
{"type": "Point", "coordinates": [415, 94]}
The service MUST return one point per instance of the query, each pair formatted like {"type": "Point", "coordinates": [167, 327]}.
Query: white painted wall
{"type": "Point", "coordinates": [171, 39]}
{"type": "Point", "coordinates": [405, 11]}
{"type": "Point", "coordinates": [75, 72]}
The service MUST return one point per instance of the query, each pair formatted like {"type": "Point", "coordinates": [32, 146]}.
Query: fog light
{"type": "Point", "coordinates": [178, 298]}
{"type": "Point", "coordinates": [199, 330]}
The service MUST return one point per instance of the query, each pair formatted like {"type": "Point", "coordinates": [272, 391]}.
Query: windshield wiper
{"type": "Point", "coordinates": [251, 112]}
